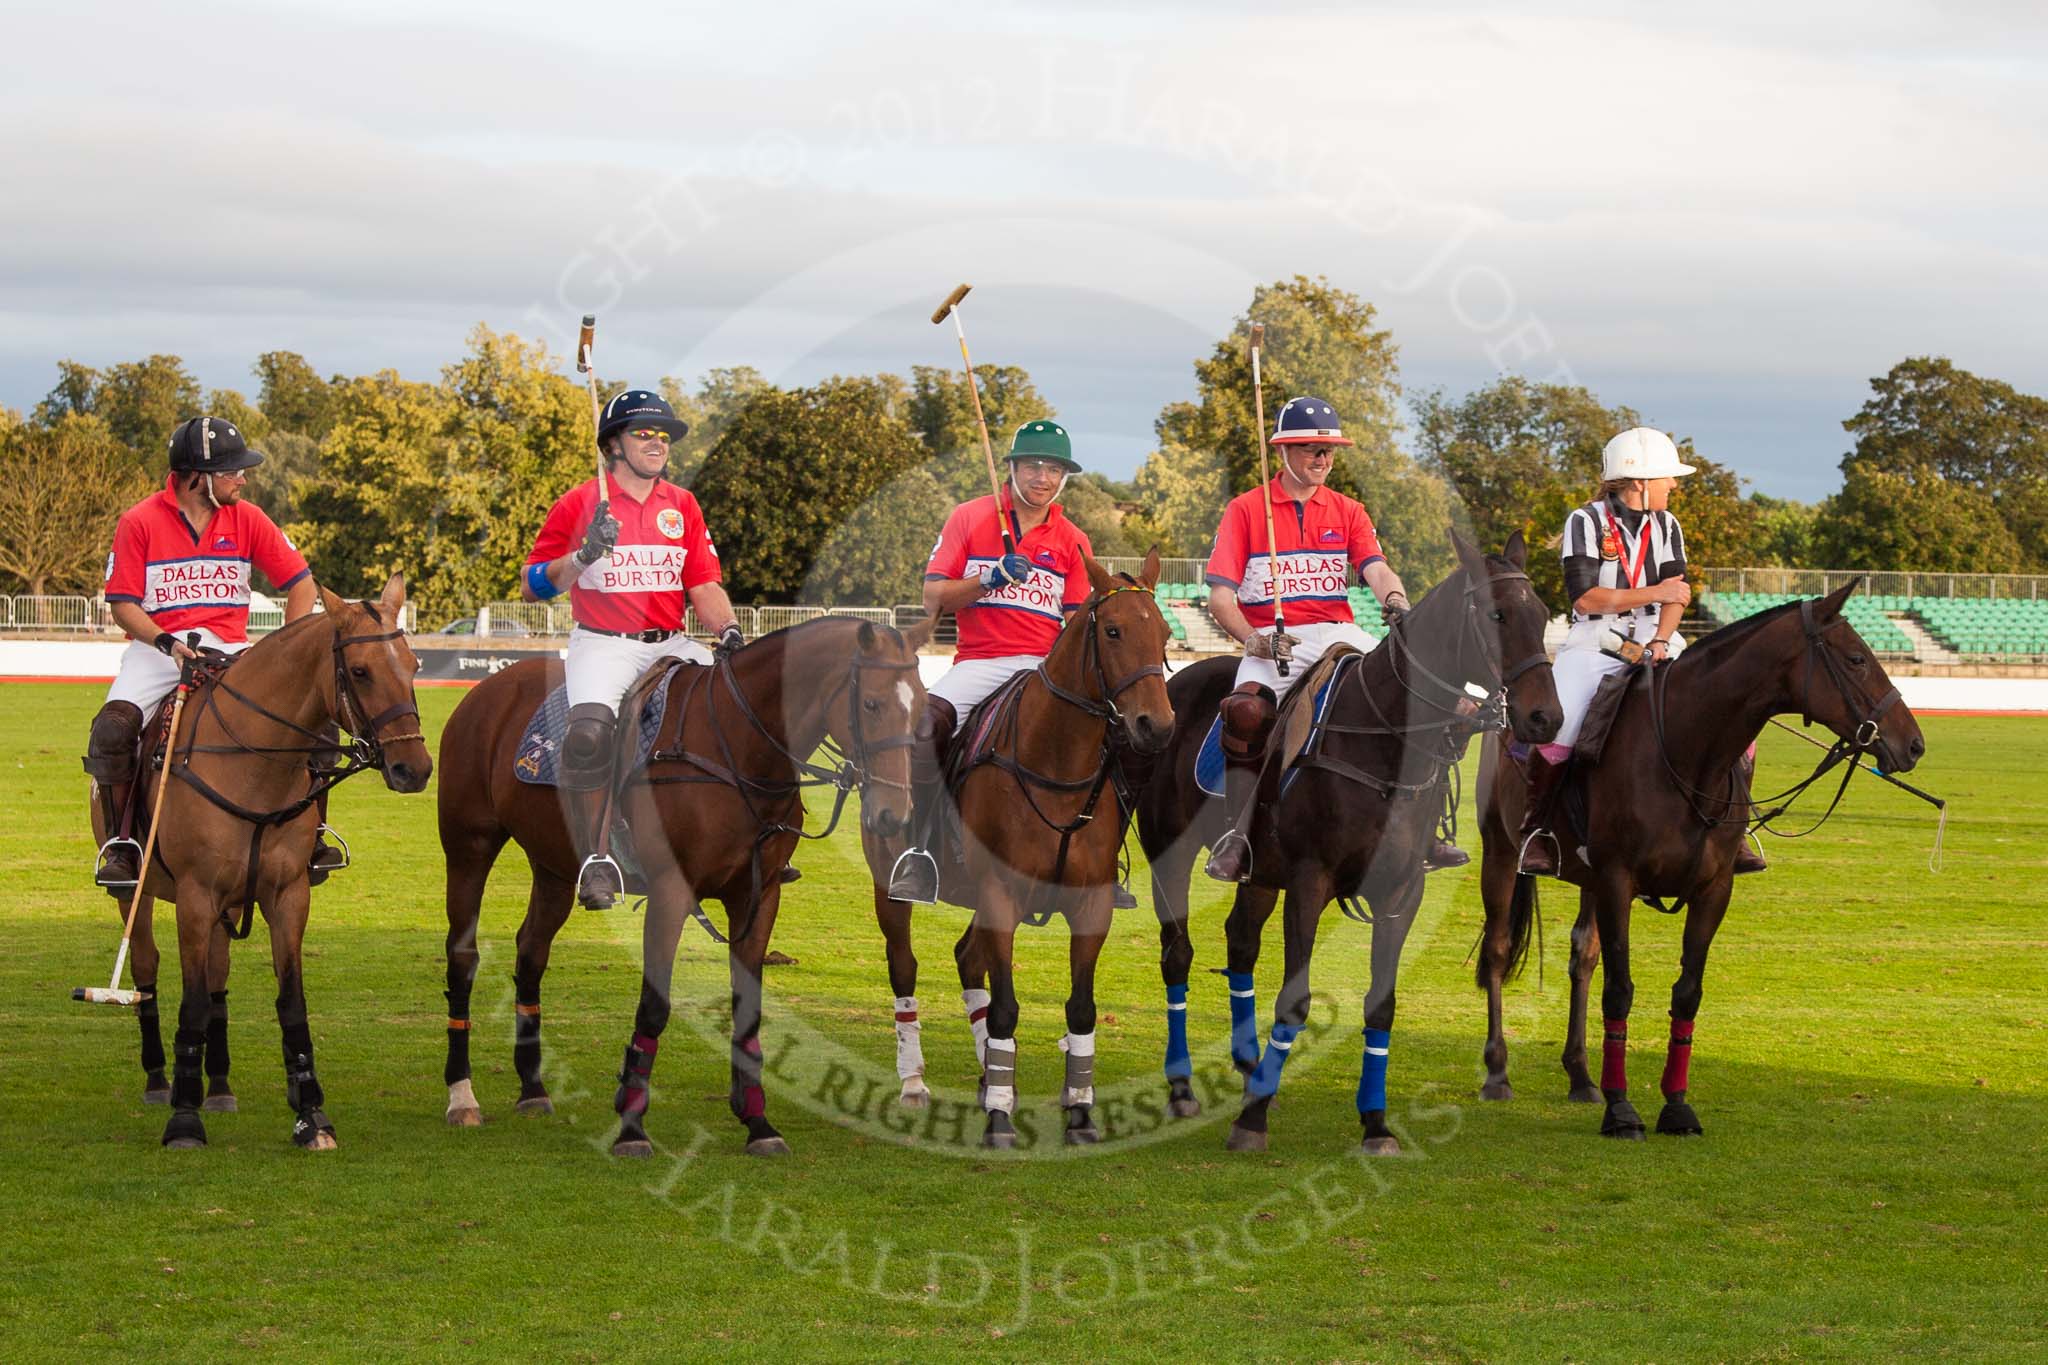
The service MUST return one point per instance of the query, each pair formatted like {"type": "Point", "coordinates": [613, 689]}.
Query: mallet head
{"type": "Point", "coordinates": [1258, 335]}
{"type": "Point", "coordinates": [584, 341]}
{"type": "Point", "coordinates": [104, 995]}
{"type": "Point", "coordinates": [952, 300]}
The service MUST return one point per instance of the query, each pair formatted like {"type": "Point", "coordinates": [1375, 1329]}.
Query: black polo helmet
{"type": "Point", "coordinates": [211, 445]}
{"type": "Point", "coordinates": [639, 408]}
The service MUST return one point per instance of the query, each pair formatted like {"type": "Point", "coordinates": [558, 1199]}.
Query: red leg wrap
{"type": "Point", "coordinates": [1678, 1060]}
{"type": "Point", "coordinates": [1614, 1056]}
{"type": "Point", "coordinates": [753, 1102]}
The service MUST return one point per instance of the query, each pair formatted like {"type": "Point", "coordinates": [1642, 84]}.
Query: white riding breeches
{"type": "Point", "coordinates": [1316, 640]}
{"type": "Point", "coordinates": [147, 675]}
{"type": "Point", "coordinates": [601, 667]}
{"type": "Point", "coordinates": [1580, 666]}
{"type": "Point", "coordinates": [968, 682]}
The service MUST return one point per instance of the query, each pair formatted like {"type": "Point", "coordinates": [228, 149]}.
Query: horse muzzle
{"type": "Point", "coordinates": [1147, 735]}
{"type": "Point", "coordinates": [404, 777]}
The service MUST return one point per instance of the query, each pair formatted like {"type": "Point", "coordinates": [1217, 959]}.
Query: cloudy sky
{"type": "Point", "coordinates": [1729, 219]}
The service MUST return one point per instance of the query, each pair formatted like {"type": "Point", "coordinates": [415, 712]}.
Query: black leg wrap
{"type": "Point", "coordinates": [189, 1045]}
{"type": "Point", "coordinates": [217, 1037]}
{"type": "Point", "coordinates": [630, 1101]}
{"type": "Point", "coordinates": [526, 1048]}
{"type": "Point", "coordinates": [651, 1018]}
{"type": "Point", "coordinates": [151, 1024]}
{"type": "Point", "coordinates": [458, 1038]}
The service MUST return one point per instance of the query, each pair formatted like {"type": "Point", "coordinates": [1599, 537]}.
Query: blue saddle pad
{"type": "Point", "coordinates": [541, 744]}
{"type": "Point", "coordinates": [1209, 760]}
{"type": "Point", "coordinates": [1321, 704]}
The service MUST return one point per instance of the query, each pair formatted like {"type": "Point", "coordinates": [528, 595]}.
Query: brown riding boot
{"type": "Point", "coordinates": [1539, 850]}
{"type": "Point", "coordinates": [1248, 714]}
{"type": "Point", "coordinates": [112, 760]}
{"type": "Point", "coordinates": [120, 860]}
{"type": "Point", "coordinates": [915, 877]}
{"type": "Point", "coordinates": [586, 779]}
{"type": "Point", "coordinates": [1749, 857]}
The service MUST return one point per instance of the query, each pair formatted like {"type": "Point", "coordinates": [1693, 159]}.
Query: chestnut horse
{"type": "Point", "coordinates": [1663, 817]}
{"type": "Point", "coordinates": [1353, 819]}
{"type": "Point", "coordinates": [239, 822]}
{"type": "Point", "coordinates": [1043, 813]}
{"type": "Point", "coordinates": [716, 814]}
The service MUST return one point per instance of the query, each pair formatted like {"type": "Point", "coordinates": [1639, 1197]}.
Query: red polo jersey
{"type": "Point", "coordinates": [664, 550]}
{"type": "Point", "coordinates": [189, 579]}
{"type": "Point", "coordinates": [1322, 541]}
{"type": "Point", "coordinates": [1023, 618]}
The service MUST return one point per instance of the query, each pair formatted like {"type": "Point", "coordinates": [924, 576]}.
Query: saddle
{"type": "Point", "coordinates": [1601, 711]}
{"type": "Point", "coordinates": [536, 761]}
{"type": "Point", "coordinates": [1294, 731]}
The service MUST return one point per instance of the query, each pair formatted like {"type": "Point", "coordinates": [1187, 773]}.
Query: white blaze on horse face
{"type": "Point", "coordinates": [906, 696]}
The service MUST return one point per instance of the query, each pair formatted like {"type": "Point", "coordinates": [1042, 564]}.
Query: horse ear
{"type": "Point", "coordinates": [392, 599]}
{"type": "Point", "coordinates": [1516, 551]}
{"type": "Point", "coordinates": [865, 637]}
{"type": "Point", "coordinates": [1098, 576]}
{"type": "Point", "coordinates": [920, 635]}
{"type": "Point", "coordinates": [333, 603]}
{"type": "Point", "coordinates": [1831, 605]}
{"type": "Point", "coordinates": [1149, 574]}
{"type": "Point", "coordinates": [1469, 557]}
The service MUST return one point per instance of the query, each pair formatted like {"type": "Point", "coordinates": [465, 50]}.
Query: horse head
{"type": "Point", "coordinates": [1127, 639]}
{"type": "Point", "coordinates": [1840, 683]}
{"type": "Point", "coordinates": [373, 694]}
{"type": "Point", "coordinates": [1507, 617]}
{"type": "Point", "coordinates": [885, 701]}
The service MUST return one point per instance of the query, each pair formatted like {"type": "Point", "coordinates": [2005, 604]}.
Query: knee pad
{"type": "Point", "coordinates": [940, 719]}
{"type": "Point", "coordinates": [587, 747]}
{"type": "Point", "coordinates": [1248, 716]}
{"type": "Point", "coordinates": [110, 749]}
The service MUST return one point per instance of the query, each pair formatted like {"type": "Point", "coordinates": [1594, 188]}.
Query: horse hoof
{"type": "Point", "coordinates": [919, 1098]}
{"type": "Point", "coordinates": [633, 1147]}
{"type": "Point", "coordinates": [534, 1106]}
{"type": "Point", "coordinates": [184, 1144]}
{"type": "Point", "coordinates": [768, 1146]}
{"type": "Point", "coordinates": [1184, 1108]}
{"type": "Point", "coordinates": [1678, 1120]}
{"type": "Point", "coordinates": [222, 1103]}
{"type": "Point", "coordinates": [1584, 1094]}
{"type": "Point", "coordinates": [1244, 1140]}
{"type": "Point", "coordinates": [1000, 1142]}
{"type": "Point", "coordinates": [322, 1142]}
{"type": "Point", "coordinates": [465, 1118]}
{"type": "Point", "coordinates": [1497, 1090]}
{"type": "Point", "coordinates": [185, 1131]}
{"type": "Point", "coordinates": [1622, 1121]}
{"type": "Point", "coordinates": [1084, 1134]}
{"type": "Point", "coordinates": [157, 1095]}
{"type": "Point", "coordinates": [1384, 1145]}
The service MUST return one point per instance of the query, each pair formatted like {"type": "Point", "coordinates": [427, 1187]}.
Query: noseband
{"type": "Point", "coordinates": [1468, 630]}
{"type": "Point", "coordinates": [1869, 714]}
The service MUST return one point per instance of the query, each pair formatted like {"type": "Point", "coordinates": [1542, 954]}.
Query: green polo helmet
{"type": "Point", "coordinates": [1044, 440]}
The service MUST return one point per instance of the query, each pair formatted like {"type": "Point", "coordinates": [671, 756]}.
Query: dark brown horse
{"type": "Point", "coordinates": [1043, 820]}
{"type": "Point", "coordinates": [1662, 817]}
{"type": "Point", "coordinates": [716, 816]}
{"type": "Point", "coordinates": [239, 820]}
{"type": "Point", "coordinates": [1353, 820]}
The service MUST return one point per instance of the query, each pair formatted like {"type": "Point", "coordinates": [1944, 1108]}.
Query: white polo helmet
{"type": "Point", "coordinates": [1642, 453]}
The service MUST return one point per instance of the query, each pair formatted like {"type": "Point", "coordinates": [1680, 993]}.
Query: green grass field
{"type": "Point", "coordinates": [1868, 1069]}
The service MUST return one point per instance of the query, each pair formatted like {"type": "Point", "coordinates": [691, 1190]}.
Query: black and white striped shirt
{"type": "Point", "coordinates": [1587, 527]}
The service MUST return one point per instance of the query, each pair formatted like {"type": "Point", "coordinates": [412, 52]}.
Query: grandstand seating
{"type": "Point", "coordinates": [1967, 625]}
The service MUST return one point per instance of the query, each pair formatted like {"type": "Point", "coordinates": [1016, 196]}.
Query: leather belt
{"type": "Point", "coordinates": [645, 637]}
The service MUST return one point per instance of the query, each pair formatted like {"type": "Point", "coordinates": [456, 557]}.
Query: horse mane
{"type": "Point", "coordinates": [821, 620]}
{"type": "Point", "coordinates": [1715, 643]}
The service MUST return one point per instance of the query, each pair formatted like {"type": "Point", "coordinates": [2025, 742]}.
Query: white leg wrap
{"type": "Point", "coordinates": [1002, 1075]}
{"type": "Point", "coordinates": [1080, 1087]}
{"type": "Point", "coordinates": [909, 1039]}
{"type": "Point", "coordinates": [461, 1096]}
{"type": "Point", "coordinates": [976, 1004]}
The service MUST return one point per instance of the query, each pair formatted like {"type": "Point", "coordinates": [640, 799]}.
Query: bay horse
{"type": "Point", "coordinates": [1353, 820]}
{"type": "Point", "coordinates": [1039, 838]}
{"type": "Point", "coordinates": [1663, 818]}
{"type": "Point", "coordinates": [716, 815]}
{"type": "Point", "coordinates": [238, 825]}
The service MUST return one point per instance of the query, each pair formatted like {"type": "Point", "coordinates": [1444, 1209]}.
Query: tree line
{"type": "Point", "coordinates": [834, 491]}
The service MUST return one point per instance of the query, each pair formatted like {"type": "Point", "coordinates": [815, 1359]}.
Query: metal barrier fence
{"type": "Point", "coordinates": [1818, 582]}
{"type": "Point", "coordinates": [1170, 570]}
{"type": "Point", "coordinates": [91, 615]}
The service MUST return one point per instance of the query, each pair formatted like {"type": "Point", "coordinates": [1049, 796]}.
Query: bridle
{"type": "Point", "coordinates": [1468, 631]}
{"type": "Point", "coordinates": [1103, 706]}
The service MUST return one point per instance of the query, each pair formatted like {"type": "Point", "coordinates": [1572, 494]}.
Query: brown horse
{"type": "Point", "coordinates": [717, 815]}
{"type": "Point", "coordinates": [1354, 819]}
{"type": "Point", "coordinates": [1663, 816]}
{"type": "Point", "coordinates": [1039, 836]}
{"type": "Point", "coordinates": [250, 759]}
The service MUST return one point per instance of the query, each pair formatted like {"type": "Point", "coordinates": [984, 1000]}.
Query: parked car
{"type": "Point", "coordinates": [501, 629]}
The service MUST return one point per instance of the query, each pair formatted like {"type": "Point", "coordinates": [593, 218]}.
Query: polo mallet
{"type": "Point", "coordinates": [1266, 491]}
{"type": "Point", "coordinates": [995, 485]}
{"type": "Point", "coordinates": [584, 342]}
{"type": "Point", "coordinates": [113, 994]}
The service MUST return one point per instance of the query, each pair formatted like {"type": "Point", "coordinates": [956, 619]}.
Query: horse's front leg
{"type": "Point", "coordinates": [1088, 920]}
{"type": "Point", "coordinates": [1612, 895]}
{"type": "Point", "coordinates": [993, 939]}
{"type": "Point", "coordinates": [549, 903]}
{"type": "Point", "coordinates": [1585, 957]}
{"type": "Point", "coordinates": [1307, 894]}
{"type": "Point", "coordinates": [1498, 887]}
{"type": "Point", "coordinates": [197, 915]}
{"type": "Point", "coordinates": [285, 912]}
{"type": "Point", "coordinates": [669, 902]}
{"type": "Point", "coordinates": [220, 1096]}
{"type": "Point", "coordinates": [744, 959]}
{"type": "Point", "coordinates": [1392, 917]}
{"type": "Point", "coordinates": [894, 917]}
{"type": "Point", "coordinates": [1704, 912]}
{"type": "Point", "coordinates": [1242, 930]}
{"type": "Point", "coordinates": [974, 996]}
{"type": "Point", "coordinates": [1170, 872]}
{"type": "Point", "coordinates": [144, 961]}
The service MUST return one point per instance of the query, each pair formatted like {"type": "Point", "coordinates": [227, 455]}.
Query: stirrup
{"type": "Point", "coordinates": [1557, 854]}
{"type": "Point", "coordinates": [322, 862]}
{"type": "Point", "coordinates": [1121, 897]}
{"type": "Point", "coordinates": [589, 895]}
{"type": "Point", "coordinates": [1218, 865]}
{"type": "Point", "coordinates": [99, 865]}
{"type": "Point", "coordinates": [915, 877]}
{"type": "Point", "coordinates": [1443, 855]}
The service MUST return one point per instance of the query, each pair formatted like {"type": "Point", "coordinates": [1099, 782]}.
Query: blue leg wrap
{"type": "Point", "coordinates": [1266, 1079]}
{"type": "Point", "coordinates": [1244, 1018]}
{"type": "Point", "coordinates": [1372, 1077]}
{"type": "Point", "coordinates": [1178, 1062]}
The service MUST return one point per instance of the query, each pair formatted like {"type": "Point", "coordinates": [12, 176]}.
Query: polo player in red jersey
{"type": "Point", "coordinates": [180, 566]}
{"type": "Point", "coordinates": [1321, 537]}
{"type": "Point", "coordinates": [630, 566]}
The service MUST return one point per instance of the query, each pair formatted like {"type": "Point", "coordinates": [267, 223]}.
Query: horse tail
{"type": "Point", "coordinates": [1523, 913]}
